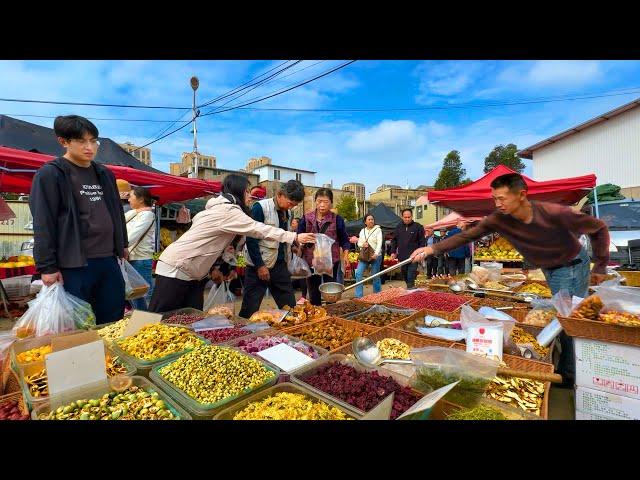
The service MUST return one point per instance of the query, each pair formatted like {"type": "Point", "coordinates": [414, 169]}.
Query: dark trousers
{"type": "Point", "coordinates": [409, 273]}
{"type": "Point", "coordinates": [173, 293]}
{"type": "Point", "coordinates": [432, 266]}
{"type": "Point", "coordinates": [314, 282]}
{"type": "Point", "coordinates": [100, 284]}
{"type": "Point", "coordinates": [456, 265]}
{"type": "Point", "coordinates": [279, 286]}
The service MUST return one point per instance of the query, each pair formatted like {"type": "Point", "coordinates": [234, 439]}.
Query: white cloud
{"type": "Point", "coordinates": [387, 135]}
{"type": "Point", "coordinates": [445, 79]}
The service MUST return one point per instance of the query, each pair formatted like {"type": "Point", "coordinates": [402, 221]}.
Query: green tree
{"type": "Point", "coordinates": [347, 207]}
{"type": "Point", "coordinates": [504, 155]}
{"type": "Point", "coordinates": [452, 172]}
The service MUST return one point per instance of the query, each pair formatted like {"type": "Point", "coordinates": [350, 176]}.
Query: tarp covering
{"type": "Point", "coordinates": [475, 199]}
{"type": "Point", "coordinates": [385, 217]}
{"type": "Point", "coordinates": [18, 167]}
{"type": "Point", "coordinates": [451, 220]}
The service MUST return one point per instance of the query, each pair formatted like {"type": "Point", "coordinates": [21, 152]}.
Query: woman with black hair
{"type": "Point", "coordinates": [371, 255]}
{"type": "Point", "coordinates": [142, 239]}
{"type": "Point", "coordinates": [183, 268]}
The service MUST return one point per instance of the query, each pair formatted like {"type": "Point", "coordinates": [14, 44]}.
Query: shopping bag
{"type": "Point", "coordinates": [220, 301]}
{"type": "Point", "coordinates": [135, 286]}
{"type": "Point", "coordinates": [322, 262]}
{"type": "Point", "coordinates": [298, 268]}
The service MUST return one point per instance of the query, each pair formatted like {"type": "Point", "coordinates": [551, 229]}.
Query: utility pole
{"type": "Point", "coordinates": [195, 83]}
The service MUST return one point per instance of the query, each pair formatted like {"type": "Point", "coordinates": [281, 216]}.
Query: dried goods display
{"type": "Point", "coordinates": [495, 285]}
{"type": "Point", "coordinates": [363, 390]}
{"type": "Point", "coordinates": [183, 318]}
{"type": "Point", "coordinates": [344, 308]}
{"type": "Point", "coordinates": [537, 289]}
{"type": "Point", "coordinates": [445, 302]}
{"type": "Point", "coordinates": [290, 406]}
{"type": "Point", "coordinates": [539, 318]}
{"type": "Point", "coordinates": [271, 317]}
{"type": "Point", "coordinates": [255, 345]}
{"type": "Point", "coordinates": [34, 355]}
{"type": "Point", "coordinates": [621, 318]}
{"type": "Point", "coordinates": [481, 412]}
{"type": "Point", "coordinates": [113, 332]}
{"type": "Point", "coordinates": [589, 308]}
{"type": "Point", "coordinates": [133, 404]}
{"type": "Point", "coordinates": [467, 393]}
{"type": "Point", "coordinates": [493, 303]}
{"type": "Point", "coordinates": [156, 341]}
{"type": "Point", "coordinates": [379, 319]}
{"type": "Point", "coordinates": [221, 335]}
{"type": "Point", "coordinates": [521, 392]}
{"type": "Point", "coordinates": [222, 310]}
{"type": "Point", "coordinates": [520, 337]}
{"type": "Point", "coordinates": [301, 314]}
{"type": "Point", "coordinates": [392, 348]}
{"type": "Point", "coordinates": [211, 373]}
{"type": "Point", "coordinates": [10, 410]}
{"type": "Point", "coordinates": [501, 249]}
{"type": "Point", "coordinates": [330, 335]}
{"type": "Point", "coordinates": [384, 296]}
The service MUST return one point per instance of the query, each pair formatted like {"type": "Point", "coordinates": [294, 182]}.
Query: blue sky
{"type": "Point", "coordinates": [402, 147]}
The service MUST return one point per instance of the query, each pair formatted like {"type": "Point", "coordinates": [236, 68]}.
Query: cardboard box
{"type": "Point", "coordinates": [610, 406]}
{"type": "Point", "coordinates": [608, 367]}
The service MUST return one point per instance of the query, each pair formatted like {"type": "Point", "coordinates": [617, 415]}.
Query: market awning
{"type": "Point", "coordinates": [450, 220]}
{"type": "Point", "coordinates": [18, 167]}
{"type": "Point", "coordinates": [475, 199]}
{"type": "Point", "coordinates": [385, 217]}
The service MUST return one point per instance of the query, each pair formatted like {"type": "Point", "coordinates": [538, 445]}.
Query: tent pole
{"type": "Point", "coordinates": [595, 201]}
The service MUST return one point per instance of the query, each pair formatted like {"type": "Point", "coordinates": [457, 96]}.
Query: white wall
{"type": "Point", "coordinates": [610, 149]}
{"type": "Point", "coordinates": [286, 174]}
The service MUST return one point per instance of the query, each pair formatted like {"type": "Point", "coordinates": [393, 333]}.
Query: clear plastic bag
{"type": "Point", "coordinates": [619, 300]}
{"type": "Point", "coordinates": [135, 286]}
{"type": "Point", "coordinates": [54, 311]}
{"type": "Point", "coordinates": [542, 313]}
{"type": "Point", "coordinates": [322, 262]}
{"type": "Point", "coordinates": [562, 302]}
{"type": "Point", "coordinates": [298, 268]}
{"type": "Point", "coordinates": [437, 367]}
{"type": "Point", "coordinates": [220, 301]}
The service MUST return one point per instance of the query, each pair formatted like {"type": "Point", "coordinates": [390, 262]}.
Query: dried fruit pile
{"type": "Point", "coordinates": [11, 411]}
{"type": "Point", "coordinates": [113, 332]}
{"type": "Point", "coordinates": [537, 289]}
{"type": "Point", "coordinates": [520, 337]}
{"type": "Point", "coordinates": [392, 348]}
{"type": "Point", "coordinates": [156, 341]}
{"type": "Point", "coordinates": [183, 318]}
{"type": "Point", "coordinates": [221, 335]}
{"type": "Point", "coordinates": [301, 314]}
{"type": "Point", "coordinates": [255, 345]}
{"type": "Point", "coordinates": [34, 355]}
{"type": "Point", "coordinates": [444, 302]}
{"type": "Point", "coordinates": [539, 318]}
{"type": "Point", "coordinates": [524, 393]}
{"type": "Point", "coordinates": [380, 319]}
{"type": "Point", "coordinates": [289, 406]}
{"type": "Point", "coordinates": [621, 318]}
{"type": "Point", "coordinates": [344, 308]}
{"type": "Point", "coordinates": [363, 390]}
{"type": "Point", "coordinates": [384, 296]}
{"type": "Point", "coordinates": [330, 335]}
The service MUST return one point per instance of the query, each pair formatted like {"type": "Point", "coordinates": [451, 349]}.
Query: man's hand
{"type": "Point", "coordinates": [216, 276]}
{"type": "Point", "coordinates": [125, 255]}
{"type": "Point", "coordinates": [597, 278]}
{"type": "Point", "coordinates": [306, 238]}
{"type": "Point", "coordinates": [263, 274]}
{"type": "Point", "coordinates": [353, 239]}
{"type": "Point", "coordinates": [421, 253]}
{"type": "Point", "coordinates": [50, 278]}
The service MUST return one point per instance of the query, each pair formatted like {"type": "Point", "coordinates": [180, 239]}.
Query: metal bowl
{"type": "Point", "coordinates": [331, 291]}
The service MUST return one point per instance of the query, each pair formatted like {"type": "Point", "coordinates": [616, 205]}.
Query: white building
{"type": "Point", "coordinates": [608, 145]}
{"type": "Point", "coordinates": [284, 174]}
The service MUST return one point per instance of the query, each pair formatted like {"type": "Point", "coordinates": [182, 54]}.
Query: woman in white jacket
{"type": "Point", "coordinates": [141, 232]}
{"type": "Point", "coordinates": [183, 268]}
{"type": "Point", "coordinates": [370, 236]}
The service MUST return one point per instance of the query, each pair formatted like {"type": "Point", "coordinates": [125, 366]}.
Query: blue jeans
{"type": "Point", "coordinates": [143, 267]}
{"type": "Point", "coordinates": [375, 268]}
{"type": "Point", "coordinates": [575, 280]}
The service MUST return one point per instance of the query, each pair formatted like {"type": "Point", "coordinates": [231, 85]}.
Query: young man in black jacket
{"type": "Point", "coordinates": [408, 235]}
{"type": "Point", "coordinates": [78, 222]}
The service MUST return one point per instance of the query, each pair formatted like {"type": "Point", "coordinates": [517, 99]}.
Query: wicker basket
{"type": "Point", "coordinates": [16, 396]}
{"type": "Point", "coordinates": [633, 278]}
{"type": "Point", "coordinates": [297, 330]}
{"type": "Point", "coordinates": [601, 331]}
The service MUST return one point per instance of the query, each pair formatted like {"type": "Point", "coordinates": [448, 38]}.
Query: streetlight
{"type": "Point", "coordinates": [195, 83]}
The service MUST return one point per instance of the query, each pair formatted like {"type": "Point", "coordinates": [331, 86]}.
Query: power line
{"type": "Point", "coordinates": [166, 135]}
{"type": "Point", "coordinates": [94, 118]}
{"type": "Point", "coordinates": [51, 102]}
{"type": "Point", "coordinates": [256, 100]}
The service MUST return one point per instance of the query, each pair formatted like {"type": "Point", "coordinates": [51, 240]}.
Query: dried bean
{"type": "Point", "coordinates": [183, 319]}
{"type": "Point", "coordinates": [384, 296]}
{"type": "Point", "coordinates": [155, 341]}
{"type": "Point", "coordinates": [290, 406]}
{"type": "Point", "coordinates": [444, 302]}
{"type": "Point", "coordinates": [224, 334]}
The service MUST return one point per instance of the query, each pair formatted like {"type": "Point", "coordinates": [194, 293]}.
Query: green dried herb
{"type": "Point", "coordinates": [481, 412]}
{"type": "Point", "coordinates": [467, 393]}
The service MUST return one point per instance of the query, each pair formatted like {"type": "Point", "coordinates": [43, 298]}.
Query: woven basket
{"type": "Point", "coordinates": [16, 396]}
{"type": "Point", "coordinates": [601, 331]}
{"type": "Point", "coordinates": [633, 278]}
{"type": "Point", "coordinates": [296, 331]}
{"type": "Point", "coordinates": [12, 384]}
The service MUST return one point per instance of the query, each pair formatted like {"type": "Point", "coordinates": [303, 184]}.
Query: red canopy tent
{"type": "Point", "coordinates": [475, 199]}
{"type": "Point", "coordinates": [18, 167]}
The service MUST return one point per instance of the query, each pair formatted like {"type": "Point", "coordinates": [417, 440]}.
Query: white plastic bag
{"type": "Point", "coordinates": [619, 300]}
{"type": "Point", "coordinates": [298, 268]}
{"type": "Point", "coordinates": [54, 311]}
{"type": "Point", "coordinates": [220, 301]}
{"type": "Point", "coordinates": [484, 337]}
{"type": "Point", "coordinates": [135, 286]}
{"type": "Point", "coordinates": [322, 260]}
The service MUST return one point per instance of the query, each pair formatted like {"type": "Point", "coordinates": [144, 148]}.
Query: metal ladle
{"type": "Point", "coordinates": [367, 352]}
{"type": "Point", "coordinates": [331, 292]}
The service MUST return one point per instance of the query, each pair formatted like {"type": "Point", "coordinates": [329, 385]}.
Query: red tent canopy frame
{"type": "Point", "coordinates": [475, 198]}
{"type": "Point", "coordinates": [18, 167]}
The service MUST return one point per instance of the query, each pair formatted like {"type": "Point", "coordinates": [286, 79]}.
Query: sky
{"type": "Point", "coordinates": [458, 101]}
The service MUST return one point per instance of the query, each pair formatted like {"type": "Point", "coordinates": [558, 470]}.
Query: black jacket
{"type": "Point", "coordinates": [406, 239]}
{"type": "Point", "coordinates": [57, 230]}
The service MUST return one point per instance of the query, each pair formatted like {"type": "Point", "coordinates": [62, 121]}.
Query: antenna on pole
{"type": "Point", "coordinates": [195, 83]}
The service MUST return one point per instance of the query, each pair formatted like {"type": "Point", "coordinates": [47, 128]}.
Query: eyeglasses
{"type": "Point", "coordinates": [92, 143]}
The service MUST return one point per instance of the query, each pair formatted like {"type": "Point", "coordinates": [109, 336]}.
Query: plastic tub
{"type": "Point", "coordinates": [100, 388]}
{"type": "Point", "coordinates": [299, 379]}
{"type": "Point", "coordinates": [25, 344]}
{"type": "Point", "coordinates": [230, 412]}
{"type": "Point", "coordinates": [284, 375]}
{"type": "Point", "coordinates": [200, 411]}
{"type": "Point", "coordinates": [382, 309]}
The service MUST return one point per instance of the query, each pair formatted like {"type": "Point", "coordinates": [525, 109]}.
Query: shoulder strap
{"type": "Point", "coordinates": [144, 234]}
{"type": "Point", "coordinates": [324, 228]}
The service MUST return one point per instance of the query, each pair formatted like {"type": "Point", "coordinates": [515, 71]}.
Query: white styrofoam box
{"type": "Point", "coordinates": [591, 416]}
{"type": "Point", "coordinates": [17, 286]}
{"type": "Point", "coordinates": [608, 367]}
{"type": "Point", "coordinates": [605, 404]}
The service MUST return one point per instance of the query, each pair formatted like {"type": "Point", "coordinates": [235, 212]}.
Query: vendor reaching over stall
{"type": "Point", "coordinates": [183, 268]}
{"type": "Point", "coordinates": [547, 235]}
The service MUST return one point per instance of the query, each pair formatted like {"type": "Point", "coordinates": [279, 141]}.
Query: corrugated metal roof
{"type": "Point", "coordinates": [528, 152]}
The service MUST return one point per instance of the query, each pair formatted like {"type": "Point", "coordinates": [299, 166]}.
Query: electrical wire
{"type": "Point", "coordinates": [112, 105]}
